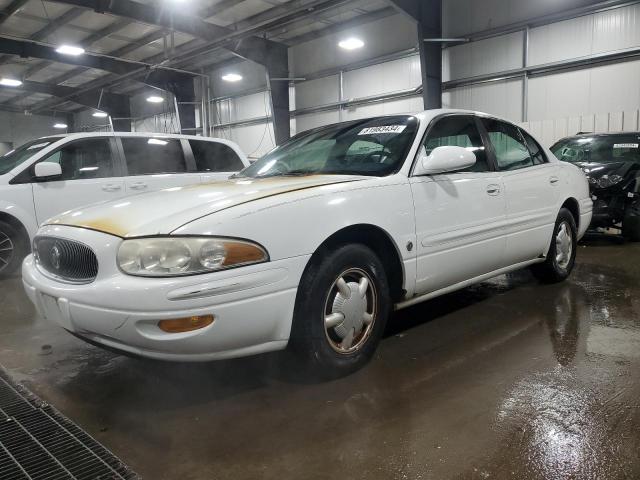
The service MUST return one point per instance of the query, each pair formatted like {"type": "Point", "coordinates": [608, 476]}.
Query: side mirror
{"type": "Point", "coordinates": [47, 170]}
{"type": "Point", "coordinates": [443, 160]}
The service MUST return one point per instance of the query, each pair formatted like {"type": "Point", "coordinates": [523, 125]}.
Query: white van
{"type": "Point", "coordinates": [50, 175]}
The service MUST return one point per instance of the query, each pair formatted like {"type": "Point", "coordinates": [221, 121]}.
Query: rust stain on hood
{"type": "Point", "coordinates": [161, 212]}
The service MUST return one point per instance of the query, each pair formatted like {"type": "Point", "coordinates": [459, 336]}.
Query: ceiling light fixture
{"type": "Point", "coordinates": [10, 82]}
{"type": "Point", "coordinates": [351, 43]}
{"type": "Point", "coordinates": [59, 125]}
{"type": "Point", "coordinates": [232, 77]}
{"type": "Point", "coordinates": [70, 50]}
{"type": "Point", "coordinates": [156, 141]}
{"type": "Point", "coordinates": [100, 114]}
{"type": "Point", "coordinates": [155, 99]}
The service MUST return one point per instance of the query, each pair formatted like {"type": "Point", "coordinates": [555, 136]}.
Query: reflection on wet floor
{"type": "Point", "coordinates": [506, 379]}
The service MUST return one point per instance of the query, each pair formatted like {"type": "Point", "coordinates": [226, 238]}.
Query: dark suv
{"type": "Point", "coordinates": [611, 162]}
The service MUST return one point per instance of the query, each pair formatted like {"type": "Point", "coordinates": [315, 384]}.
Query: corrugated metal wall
{"type": "Point", "coordinates": [604, 97]}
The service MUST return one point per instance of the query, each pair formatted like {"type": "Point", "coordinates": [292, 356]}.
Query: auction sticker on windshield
{"type": "Point", "coordinates": [384, 129]}
{"type": "Point", "coordinates": [626, 145]}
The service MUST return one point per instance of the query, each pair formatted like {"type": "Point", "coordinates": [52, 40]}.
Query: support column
{"type": "Point", "coordinates": [428, 15]}
{"type": "Point", "coordinates": [277, 65]}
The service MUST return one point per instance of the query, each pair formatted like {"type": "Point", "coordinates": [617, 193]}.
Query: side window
{"type": "Point", "coordinates": [511, 151]}
{"type": "Point", "coordinates": [458, 131]}
{"type": "Point", "coordinates": [153, 155]}
{"type": "Point", "coordinates": [537, 154]}
{"type": "Point", "coordinates": [84, 159]}
{"type": "Point", "coordinates": [215, 157]}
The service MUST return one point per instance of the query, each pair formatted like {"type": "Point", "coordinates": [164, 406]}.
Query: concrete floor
{"type": "Point", "coordinates": [508, 379]}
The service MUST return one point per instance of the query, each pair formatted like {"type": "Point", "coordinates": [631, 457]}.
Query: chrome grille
{"type": "Point", "coordinates": [65, 259]}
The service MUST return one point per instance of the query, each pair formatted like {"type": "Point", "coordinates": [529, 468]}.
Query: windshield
{"type": "Point", "coordinates": [374, 147]}
{"type": "Point", "coordinates": [13, 158]}
{"type": "Point", "coordinates": [600, 149]}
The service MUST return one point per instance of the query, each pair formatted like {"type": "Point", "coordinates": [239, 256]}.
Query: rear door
{"type": "Point", "coordinates": [154, 163]}
{"type": "Point", "coordinates": [531, 190]}
{"type": "Point", "coordinates": [214, 160]}
{"type": "Point", "coordinates": [91, 173]}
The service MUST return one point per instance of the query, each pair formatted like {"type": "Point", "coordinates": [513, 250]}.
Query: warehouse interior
{"type": "Point", "coordinates": [502, 379]}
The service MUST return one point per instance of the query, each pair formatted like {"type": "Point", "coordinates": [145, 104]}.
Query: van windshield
{"type": "Point", "coordinates": [15, 157]}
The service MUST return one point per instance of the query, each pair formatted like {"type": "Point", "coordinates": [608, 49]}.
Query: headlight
{"type": "Point", "coordinates": [607, 181]}
{"type": "Point", "coordinates": [173, 256]}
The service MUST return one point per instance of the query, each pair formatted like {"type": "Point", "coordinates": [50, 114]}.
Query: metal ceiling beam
{"type": "Point", "coordinates": [12, 8]}
{"type": "Point", "coordinates": [112, 103]}
{"type": "Point", "coordinates": [251, 48]}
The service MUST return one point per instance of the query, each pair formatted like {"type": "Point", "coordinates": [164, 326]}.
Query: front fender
{"type": "Point", "coordinates": [17, 202]}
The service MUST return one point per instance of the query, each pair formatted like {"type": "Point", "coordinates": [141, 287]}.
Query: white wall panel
{"type": "Point", "coordinates": [499, 98]}
{"type": "Point", "coordinates": [630, 121]}
{"type": "Point", "coordinates": [615, 121]}
{"type": "Point", "coordinates": [393, 76]}
{"type": "Point", "coordinates": [321, 91]}
{"type": "Point", "coordinates": [616, 29]}
{"type": "Point", "coordinates": [484, 56]}
{"type": "Point", "coordinates": [314, 120]}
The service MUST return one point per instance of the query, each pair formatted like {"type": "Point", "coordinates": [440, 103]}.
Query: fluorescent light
{"type": "Point", "coordinates": [100, 114]}
{"type": "Point", "coordinates": [10, 82]}
{"type": "Point", "coordinates": [70, 50]}
{"type": "Point", "coordinates": [351, 43]}
{"type": "Point", "coordinates": [155, 99]}
{"type": "Point", "coordinates": [59, 125]}
{"type": "Point", "coordinates": [232, 77]}
{"type": "Point", "coordinates": [156, 141]}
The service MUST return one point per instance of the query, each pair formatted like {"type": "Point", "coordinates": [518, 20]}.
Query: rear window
{"type": "Point", "coordinates": [146, 156]}
{"type": "Point", "coordinates": [600, 149]}
{"type": "Point", "coordinates": [215, 157]}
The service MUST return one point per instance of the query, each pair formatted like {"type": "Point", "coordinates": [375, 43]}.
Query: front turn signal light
{"type": "Point", "coordinates": [187, 324]}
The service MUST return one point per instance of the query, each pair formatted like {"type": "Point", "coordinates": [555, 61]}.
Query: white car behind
{"type": "Point", "coordinates": [315, 244]}
{"type": "Point", "coordinates": [50, 175]}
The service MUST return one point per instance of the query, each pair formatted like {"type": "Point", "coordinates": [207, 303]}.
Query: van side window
{"type": "Point", "coordinates": [153, 155]}
{"type": "Point", "coordinates": [84, 159]}
{"type": "Point", "coordinates": [215, 157]}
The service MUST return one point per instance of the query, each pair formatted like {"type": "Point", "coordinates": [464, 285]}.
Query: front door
{"type": "Point", "coordinates": [531, 191]}
{"type": "Point", "coordinates": [459, 216]}
{"type": "Point", "coordinates": [90, 174]}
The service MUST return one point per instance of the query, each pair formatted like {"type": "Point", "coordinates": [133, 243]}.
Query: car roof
{"type": "Point", "coordinates": [136, 134]}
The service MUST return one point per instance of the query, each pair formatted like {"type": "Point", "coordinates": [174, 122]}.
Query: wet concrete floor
{"type": "Point", "coordinates": [507, 379]}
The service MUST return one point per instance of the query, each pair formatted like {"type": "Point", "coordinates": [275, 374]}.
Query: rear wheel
{"type": "Point", "coordinates": [12, 249]}
{"type": "Point", "coordinates": [341, 310]}
{"type": "Point", "coordinates": [561, 255]}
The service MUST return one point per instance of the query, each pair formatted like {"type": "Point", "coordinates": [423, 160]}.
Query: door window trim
{"type": "Point", "coordinates": [490, 159]}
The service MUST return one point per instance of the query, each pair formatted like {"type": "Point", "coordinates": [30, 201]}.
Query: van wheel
{"type": "Point", "coordinates": [341, 310]}
{"type": "Point", "coordinates": [12, 249]}
{"type": "Point", "coordinates": [631, 223]}
{"type": "Point", "coordinates": [561, 256]}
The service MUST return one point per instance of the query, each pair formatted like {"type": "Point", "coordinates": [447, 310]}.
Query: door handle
{"type": "Point", "coordinates": [554, 180]}
{"type": "Point", "coordinates": [111, 187]}
{"type": "Point", "coordinates": [493, 189]}
{"type": "Point", "coordinates": [138, 186]}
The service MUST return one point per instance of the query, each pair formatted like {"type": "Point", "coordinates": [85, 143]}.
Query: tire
{"type": "Point", "coordinates": [561, 256]}
{"type": "Point", "coordinates": [631, 223]}
{"type": "Point", "coordinates": [12, 249]}
{"type": "Point", "coordinates": [336, 328]}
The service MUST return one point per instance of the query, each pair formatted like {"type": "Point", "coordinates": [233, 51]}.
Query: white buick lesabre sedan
{"type": "Point", "coordinates": [315, 244]}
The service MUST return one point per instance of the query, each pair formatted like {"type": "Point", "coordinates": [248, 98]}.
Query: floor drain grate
{"type": "Point", "coordinates": [38, 443]}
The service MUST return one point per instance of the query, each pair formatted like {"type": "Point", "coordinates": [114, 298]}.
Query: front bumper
{"type": "Point", "coordinates": [252, 306]}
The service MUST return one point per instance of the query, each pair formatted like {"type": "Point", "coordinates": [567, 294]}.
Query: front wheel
{"type": "Point", "coordinates": [341, 311]}
{"type": "Point", "coordinates": [561, 255]}
{"type": "Point", "coordinates": [12, 250]}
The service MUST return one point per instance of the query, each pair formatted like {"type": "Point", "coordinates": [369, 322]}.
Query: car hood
{"type": "Point", "coordinates": [597, 170]}
{"type": "Point", "coordinates": [158, 213]}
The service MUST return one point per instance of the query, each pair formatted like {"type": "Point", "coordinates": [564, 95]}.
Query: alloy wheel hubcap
{"type": "Point", "coordinates": [350, 311]}
{"type": "Point", "coordinates": [6, 250]}
{"type": "Point", "coordinates": [564, 246]}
